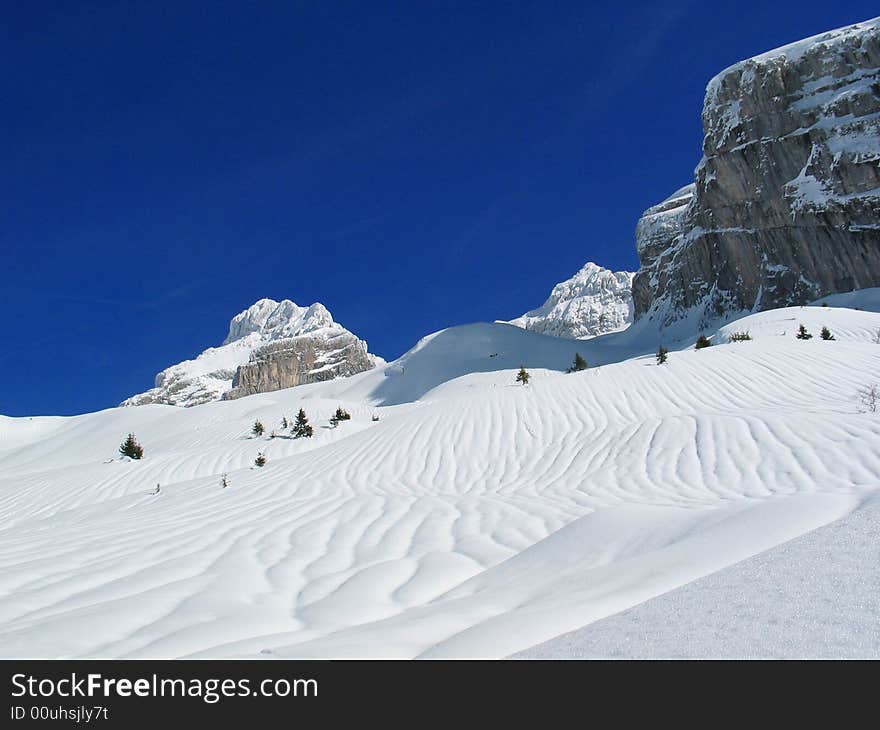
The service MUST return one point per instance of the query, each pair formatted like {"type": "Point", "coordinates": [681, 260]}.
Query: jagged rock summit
{"type": "Point", "coordinates": [592, 302]}
{"type": "Point", "coordinates": [785, 205]}
{"type": "Point", "coordinates": [270, 345]}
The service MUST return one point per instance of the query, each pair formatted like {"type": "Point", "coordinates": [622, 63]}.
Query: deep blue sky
{"type": "Point", "coordinates": [411, 165]}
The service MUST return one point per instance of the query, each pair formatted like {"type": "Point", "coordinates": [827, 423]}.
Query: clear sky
{"type": "Point", "coordinates": [412, 165]}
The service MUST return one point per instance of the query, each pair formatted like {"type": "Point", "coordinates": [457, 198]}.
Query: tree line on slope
{"type": "Point", "coordinates": [301, 428]}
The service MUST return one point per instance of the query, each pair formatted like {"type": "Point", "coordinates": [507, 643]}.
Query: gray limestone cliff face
{"type": "Point", "coordinates": [785, 205]}
{"type": "Point", "coordinates": [298, 361]}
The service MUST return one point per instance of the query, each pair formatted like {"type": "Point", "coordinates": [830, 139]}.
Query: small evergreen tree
{"type": "Point", "coordinates": [825, 334]}
{"type": "Point", "coordinates": [260, 460]}
{"type": "Point", "coordinates": [702, 341]}
{"type": "Point", "coordinates": [301, 427]}
{"type": "Point", "coordinates": [739, 337]}
{"type": "Point", "coordinates": [284, 424]}
{"type": "Point", "coordinates": [131, 448]}
{"type": "Point", "coordinates": [224, 480]}
{"type": "Point", "coordinates": [661, 355]}
{"type": "Point", "coordinates": [258, 428]}
{"type": "Point", "coordinates": [340, 415]}
{"type": "Point", "coordinates": [802, 333]}
{"type": "Point", "coordinates": [522, 376]}
{"type": "Point", "coordinates": [579, 364]}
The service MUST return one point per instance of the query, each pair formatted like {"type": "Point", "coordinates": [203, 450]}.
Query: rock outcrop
{"type": "Point", "coordinates": [300, 360]}
{"type": "Point", "coordinates": [592, 302]}
{"type": "Point", "coordinates": [785, 206]}
{"type": "Point", "coordinates": [270, 345]}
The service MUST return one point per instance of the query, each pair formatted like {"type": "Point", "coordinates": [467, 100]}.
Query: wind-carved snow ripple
{"type": "Point", "coordinates": [359, 528]}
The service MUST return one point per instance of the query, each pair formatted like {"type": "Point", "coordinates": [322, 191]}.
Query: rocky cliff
{"type": "Point", "coordinates": [592, 302]}
{"type": "Point", "coordinates": [785, 205]}
{"type": "Point", "coordinates": [270, 345]}
{"type": "Point", "coordinates": [300, 360]}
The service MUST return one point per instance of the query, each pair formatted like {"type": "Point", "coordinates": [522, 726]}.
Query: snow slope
{"type": "Point", "coordinates": [867, 299]}
{"type": "Point", "coordinates": [817, 596]}
{"type": "Point", "coordinates": [476, 517]}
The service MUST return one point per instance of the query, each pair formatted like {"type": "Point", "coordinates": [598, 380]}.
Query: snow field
{"type": "Point", "coordinates": [478, 518]}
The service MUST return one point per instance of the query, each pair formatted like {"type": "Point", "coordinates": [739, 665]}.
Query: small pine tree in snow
{"type": "Point", "coordinates": [131, 448]}
{"type": "Point", "coordinates": [579, 364]}
{"type": "Point", "coordinates": [802, 333]}
{"type": "Point", "coordinates": [702, 341]}
{"type": "Point", "coordinates": [258, 428]}
{"type": "Point", "coordinates": [224, 480]}
{"type": "Point", "coordinates": [661, 355]}
{"type": "Point", "coordinates": [522, 376]}
{"type": "Point", "coordinates": [260, 460]}
{"type": "Point", "coordinates": [739, 337]}
{"type": "Point", "coordinates": [284, 424]}
{"type": "Point", "coordinates": [340, 415]}
{"type": "Point", "coordinates": [301, 427]}
{"type": "Point", "coordinates": [825, 334]}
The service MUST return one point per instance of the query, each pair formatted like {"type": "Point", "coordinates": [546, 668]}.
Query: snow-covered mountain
{"type": "Point", "coordinates": [270, 345]}
{"type": "Point", "coordinates": [785, 204]}
{"type": "Point", "coordinates": [476, 516]}
{"type": "Point", "coordinates": [593, 302]}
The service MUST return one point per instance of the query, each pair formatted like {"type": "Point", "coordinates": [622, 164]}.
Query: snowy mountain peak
{"type": "Point", "coordinates": [594, 301]}
{"type": "Point", "coordinates": [278, 320]}
{"type": "Point", "coordinates": [270, 345]}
